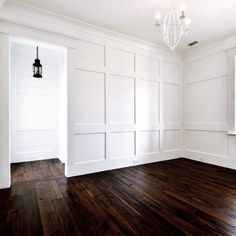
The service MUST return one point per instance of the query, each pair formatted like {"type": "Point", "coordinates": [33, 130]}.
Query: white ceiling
{"type": "Point", "coordinates": [211, 19]}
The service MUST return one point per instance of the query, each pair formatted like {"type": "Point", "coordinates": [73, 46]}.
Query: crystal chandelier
{"type": "Point", "coordinates": [174, 26]}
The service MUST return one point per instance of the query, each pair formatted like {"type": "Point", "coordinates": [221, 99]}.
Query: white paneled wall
{"type": "Point", "coordinates": [209, 105]}
{"type": "Point", "coordinates": [5, 178]}
{"type": "Point", "coordinates": [36, 106]}
{"type": "Point", "coordinates": [124, 106]}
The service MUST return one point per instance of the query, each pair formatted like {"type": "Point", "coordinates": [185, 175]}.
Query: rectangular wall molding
{"type": "Point", "coordinates": [130, 97]}
{"type": "Point", "coordinates": [209, 100]}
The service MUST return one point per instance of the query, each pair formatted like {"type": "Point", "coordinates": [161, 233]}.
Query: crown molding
{"type": "Point", "coordinates": [210, 48]}
{"type": "Point", "coordinates": [27, 16]}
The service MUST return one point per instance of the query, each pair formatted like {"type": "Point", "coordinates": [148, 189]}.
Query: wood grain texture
{"type": "Point", "coordinates": [177, 197]}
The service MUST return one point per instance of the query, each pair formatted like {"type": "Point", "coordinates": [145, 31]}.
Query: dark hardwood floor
{"type": "Point", "coordinates": [177, 197]}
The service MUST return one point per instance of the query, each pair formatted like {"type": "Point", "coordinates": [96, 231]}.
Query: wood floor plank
{"type": "Point", "coordinates": [50, 223]}
{"type": "Point", "coordinates": [176, 197]}
{"type": "Point", "coordinates": [66, 220]}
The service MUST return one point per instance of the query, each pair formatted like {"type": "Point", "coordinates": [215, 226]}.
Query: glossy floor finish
{"type": "Point", "coordinates": [177, 197]}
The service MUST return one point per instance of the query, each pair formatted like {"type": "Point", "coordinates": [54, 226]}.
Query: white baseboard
{"type": "Point", "coordinates": [5, 185]}
{"type": "Point", "coordinates": [99, 166]}
{"type": "Point", "coordinates": [28, 159]}
{"type": "Point", "coordinates": [210, 158]}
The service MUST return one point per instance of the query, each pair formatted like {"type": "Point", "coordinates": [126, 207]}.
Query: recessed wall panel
{"type": "Point", "coordinates": [88, 94]}
{"type": "Point", "coordinates": [148, 142]}
{"type": "Point", "coordinates": [171, 140]}
{"type": "Point", "coordinates": [89, 53]}
{"type": "Point", "coordinates": [211, 142]}
{"type": "Point", "coordinates": [89, 147]}
{"type": "Point", "coordinates": [147, 67]}
{"type": "Point", "coordinates": [147, 102]}
{"type": "Point", "coordinates": [206, 101]}
{"type": "Point", "coordinates": [171, 103]}
{"type": "Point", "coordinates": [121, 61]}
{"type": "Point", "coordinates": [122, 144]}
{"type": "Point", "coordinates": [207, 67]}
{"type": "Point", "coordinates": [121, 91]}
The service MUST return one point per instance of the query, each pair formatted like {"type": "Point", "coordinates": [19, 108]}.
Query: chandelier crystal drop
{"type": "Point", "coordinates": [174, 26]}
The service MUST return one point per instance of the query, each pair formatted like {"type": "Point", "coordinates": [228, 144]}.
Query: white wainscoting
{"type": "Point", "coordinates": [120, 65]}
{"type": "Point", "coordinates": [124, 106]}
{"type": "Point", "coordinates": [208, 101]}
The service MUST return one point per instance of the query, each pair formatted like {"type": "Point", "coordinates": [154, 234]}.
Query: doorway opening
{"type": "Point", "coordinates": [38, 105]}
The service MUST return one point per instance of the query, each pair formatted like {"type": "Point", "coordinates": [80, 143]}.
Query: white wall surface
{"type": "Point", "coordinates": [4, 115]}
{"type": "Point", "coordinates": [119, 111]}
{"type": "Point", "coordinates": [125, 106]}
{"type": "Point", "coordinates": [209, 104]}
{"type": "Point", "coordinates": [125, 96]}
{"type": "Point", "coordinates": [37, 124]}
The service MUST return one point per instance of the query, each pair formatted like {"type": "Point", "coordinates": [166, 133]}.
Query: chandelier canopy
{"type": "Point", "coordinates": [174, 26]}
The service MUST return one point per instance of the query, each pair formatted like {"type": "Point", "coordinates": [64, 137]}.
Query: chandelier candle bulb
{"type": "Point", "coordinates": [183, 7]}
{"type": "Point", "coordinates": [187, 22]}
{"type": "Point", "coordinates": [158, 18]}
{"type": "Point", "coordinates": [182, 10]}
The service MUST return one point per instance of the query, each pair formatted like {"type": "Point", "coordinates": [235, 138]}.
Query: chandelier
{"type": "Point", "coordinates": [174, 26]}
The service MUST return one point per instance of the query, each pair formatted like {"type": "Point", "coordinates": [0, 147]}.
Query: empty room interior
{"type": "Point", "coordinates": [117, 117]}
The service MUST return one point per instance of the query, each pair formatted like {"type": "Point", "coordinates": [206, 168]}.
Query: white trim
{"type": "Point", "coordinates": [33, 42]}
{"type": "Point", "coordinates": [209, 48]}
{"type": "Point", "coordinates": [206, 78]}
{"type": "Point", "coordinates": [115, 163]}
{"type": "Point", "coordinates": [26, 15]}
{"type": "Point", "coordinates": [212, 159]}
{"type": "Point", "coordinates": [211, 127]}
{"type": "Point", "coordinates": [233, 132]}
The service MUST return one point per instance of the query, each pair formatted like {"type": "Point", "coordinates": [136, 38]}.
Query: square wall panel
{"type": "Point", "coordinates": [89, 147]}
{"type": "Point", "coordinates": [147, 102]}
{"type": "Point", "coordinates": [148, 142]}
{"type": "Point", "coordinates": [147, 67]}
{"type": "Point", "coordinates": [171, 103]}
{"type": "Point", "coordinates": [89, 53]}
{"type": "Point", "coordinates": [206, 101]}
{"type": "Point", "coordinates": [171, 140]}
{"type": "Point", "coordinates": [122, 144]}
{"type": "Point", "coordinates": [121, 61]}
{"type": "Point", "coordinates": [88, 97]}
{"type": "Point", "coordinates": [121, 100]}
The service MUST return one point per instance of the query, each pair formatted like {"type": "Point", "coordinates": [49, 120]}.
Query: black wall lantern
{"type": "Point", "coordinates": [37, 67]}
